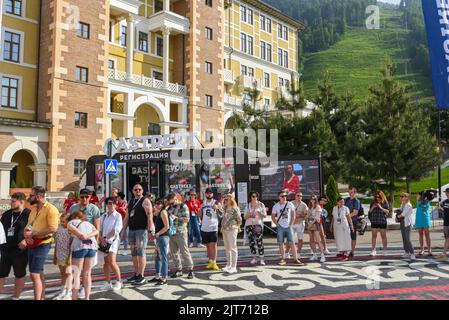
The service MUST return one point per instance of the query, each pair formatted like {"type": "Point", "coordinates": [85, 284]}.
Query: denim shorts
{"type": "Point", "coordinates": [283, 233]}
{"type": "Point", "coordinates": [84, 254]}
{"type": "Point", "coordinates": [37, 256]}
{"type": "Point", "coordinates": [135, 237]}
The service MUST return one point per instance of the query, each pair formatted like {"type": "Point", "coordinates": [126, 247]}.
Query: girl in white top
{"type": "Point", "coordinates": [406, 220]}
{"type": "Point", "coordinates": [111, 225]}
{"type": "Point", "coordinates": [341, 227]}
{"type": "Point", "coordinates": [314, 227]}
{"type": "Point", "coordinates": [254, 214]}
{"type": "Point", "coordinates": [84, 251]}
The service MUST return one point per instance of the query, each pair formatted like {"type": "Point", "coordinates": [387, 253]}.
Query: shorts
{"type": "Point", "coordinates": [84, 254]}
{"type": "Point", "coordinates": [209, 237]}
{"type": "Point", "coordinates": [18, 261]}
{"type": "Point", "coordinates": [378, 226]}
{"type": "Point", "coordinates": [283, 233]}
{"type": "Point", "coordinates": [446, 232]}
{"type": "Point", "coordinates": [354, 235]}
{"type": "Point", "coordinates": [138, 236]}
{"type": "Point", "coordinates": [37, 257]}
{"type": "Point", "coordinates": [298, 231]}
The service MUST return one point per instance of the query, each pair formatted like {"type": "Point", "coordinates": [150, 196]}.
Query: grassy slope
{"type": "Point", "coordinates": [355, 61]}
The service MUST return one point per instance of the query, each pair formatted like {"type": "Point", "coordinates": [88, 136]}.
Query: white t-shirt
{"type": "Point", "coordinates": [259, 210]}
{"type": "Point", "coordinates": [287, 214]}
{"type": "Point", "coordinates": [109, 223]}
{"type": "Point", "coordinates": [85, 228]}
{"type": "Point", "coordinates": [209, 219]}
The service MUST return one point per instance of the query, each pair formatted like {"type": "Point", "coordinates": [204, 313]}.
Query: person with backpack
{"type": "Point", "coordinates": [283, 215]}
{"type": "Point", "coordinates": [179, 213]}
{"type": "Point", "coordinates": [211, 211]}
{"type": "Point", "coordinates": [254, 214]}
{"type": "Point", "coordinates": [354, 206]}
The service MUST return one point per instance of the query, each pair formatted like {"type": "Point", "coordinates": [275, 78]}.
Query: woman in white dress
{"type": "Point", "coordinates": [341, 227]}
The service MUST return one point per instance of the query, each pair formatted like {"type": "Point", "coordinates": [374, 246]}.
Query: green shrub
{"type": "Point", "coordinates": [332, 193]}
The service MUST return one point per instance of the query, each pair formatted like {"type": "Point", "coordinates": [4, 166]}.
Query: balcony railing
{"type": "Point", "coordinates": [229, 76]}
{"type": "Point", "coordinates": [148, 82]}
{"type": "Point", "coordinates": [249, 82]}
{"type": "Point", "coordinates": [233, 101]}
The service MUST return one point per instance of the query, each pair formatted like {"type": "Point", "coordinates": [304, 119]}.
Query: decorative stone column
{"type": "Point", "coordinates": [130, 48]}
{"type": "Point", "coordinates": [5, 178]}
{"type": "Point", "coordinates": [166, 34]}
{"type": "Point", "coordinates": [40, 174]}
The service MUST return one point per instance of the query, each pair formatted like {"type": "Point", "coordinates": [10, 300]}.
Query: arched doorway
{"type": "Point", "coordinates": [231, 123]}
{"type": "Point", "coordinates": [22, 176]}
{"type": "Point", "coordinates": [147, 121]}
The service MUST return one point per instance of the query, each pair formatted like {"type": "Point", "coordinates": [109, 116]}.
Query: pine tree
{"type": "Point", "coordinates": [331, 193]}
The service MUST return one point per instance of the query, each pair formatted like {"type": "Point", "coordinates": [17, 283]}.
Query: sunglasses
{"type": "Point", "coordinates": [138, 190]}
{"type": "Point", "coordinates": [84, 197]}
{"type": "Point", "coordinates": [283, 196]}
{"type": "Point", "coordinates": [298, 195]}
{"type": "Point", "coordinates": [253, 196]}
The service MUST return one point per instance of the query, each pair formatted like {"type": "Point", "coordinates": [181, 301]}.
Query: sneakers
{"type": "Point", "coordinates": [154, 280]}
{"type": "Point", "coordinates": [209, 266]}
{"type": "Point", "coordinates": [176, 274]}
{"type": "Point", "coordinates": [201, 245]}
{"type": "Point", "coordinates": [327, 251]}
{"type": "Point", "coordinates": [323, 258]}
{"type": "Point", "coordinates": [117, 286]}
{"type": "Point", "coordinates": [351, 254]}
{"type": "Point", "coordinates": [254, 261]}
{"type": "Point", "coordinates": [161, 282]}
{"type": "Point", "coordinates": [191, 245]}
{"type": "Point", "coordinates": [106, 287]}
{"type": "Point", "coordinates": [287, 256]}
{"type": "Point", "coordinates": [373, 253]}
{"type": "Point", "coordinates": [405, 256]}
{"type": "Point", "coordinates": [282, 262]}
{"type": "Point", "coordinates": [313, 257]}
{"type": "Point", "coordinates": [190, 275]}
{"type": "Point", "coordinates": [225, 269]}
{"type": "Point", "coordinates": [139, 280]}
{"type": "Point", "coordinates": [384, 253]}
{"type": "Point", "coordinates": [412, 257]}
{"type": "Point", "coordinates": [232, 270]}
{"type": "Point", "coordinates": [262, 262]}
{"type": "Point", "coordinates": [125, 253]}
{"type": "Point", "coordinates": [62, 294]}
{"type": "Point", "coordinates": [298, 263]}
{"type": "Point", "coordinates": [82, 293]}
{"type": "Point", "coordinates": [215, 267]}
{"type": "Point", "coordinates": [132, 279]}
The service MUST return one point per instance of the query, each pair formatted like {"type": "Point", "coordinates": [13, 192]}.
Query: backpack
{"type": "Point", "coordinates": [361, 211]}
{"type": "Point", "coordinates": [172, 229]}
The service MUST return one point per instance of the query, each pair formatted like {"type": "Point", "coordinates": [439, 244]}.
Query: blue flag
{"type": "Point", "coordinates": [436, 16]}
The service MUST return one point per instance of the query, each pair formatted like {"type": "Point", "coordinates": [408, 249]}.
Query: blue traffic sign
{"type": "Point", "coordinates": [111, 166]}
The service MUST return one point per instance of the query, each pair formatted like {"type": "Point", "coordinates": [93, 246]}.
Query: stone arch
{"type": "Point", "coordinates": [155, 103]}
{"type": "Point", "coordinates": [33, 148]}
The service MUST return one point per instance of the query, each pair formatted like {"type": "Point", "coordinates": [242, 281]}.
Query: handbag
{"type": "Point", "coordinates": [105, 248]}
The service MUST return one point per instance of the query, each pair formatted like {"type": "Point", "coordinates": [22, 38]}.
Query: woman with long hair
{"type": "Point", "coordinates": [404, 216]}
{"type": "Point", "coordinates": [314, 227]}
{"type": "Point", "coordinates": [230, 227]}
{"type": "Point", "coordinates": [423, 223]}
{"type": "Point", "coordinates": [254, 214]}
{"type": "Point", "coordinates": [377, 214]}
{"type": "Point", "coordinates": [162, 226]}
{"type": "Point", "coordinates": [342, 227]}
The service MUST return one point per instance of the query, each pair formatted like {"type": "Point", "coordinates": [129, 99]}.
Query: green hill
{"type": "Point", "coordinates": [355, 61]}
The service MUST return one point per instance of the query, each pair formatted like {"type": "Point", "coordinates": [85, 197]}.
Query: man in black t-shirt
{"type": "Point", "coordinates": [445, 209]}
{"type": "Point", "coordinates": [13, 254]}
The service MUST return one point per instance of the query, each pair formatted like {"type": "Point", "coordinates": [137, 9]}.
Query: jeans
{"type": "Point", "coordinates": [406, 233]}
{"type": "Point", "coordinates": [162, 256]}
{"type": "Point", "coordinates": [194, 231]}
{"type": "Point", "coordinates": [125, 242]}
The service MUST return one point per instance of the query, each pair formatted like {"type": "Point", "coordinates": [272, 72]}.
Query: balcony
{"type": "Point", "coordinates": [248, 82]}
{"type": "Point", "coordinates": [167, 19]}
{"type": "Point", "coordinates": [233, 102]}
{"type": "Point", "coordinates": [151, 83]}
{"type": "Point", "coordinates": [229, 77]}
{"type": "Point", "coordinates": [119, 7]}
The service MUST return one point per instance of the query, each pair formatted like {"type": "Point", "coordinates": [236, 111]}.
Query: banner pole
{"type": "Point", "coordinates": [439, 147]}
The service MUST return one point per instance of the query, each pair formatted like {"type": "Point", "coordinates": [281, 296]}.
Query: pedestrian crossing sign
{"type": "Point", "coordinates": [111, 166]}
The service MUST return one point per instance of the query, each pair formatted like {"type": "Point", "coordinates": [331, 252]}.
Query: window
{"type": "Point", "coordinates": [154, 129]}
{"type": "Point", "coordinates": [250, 45]}
{"type": "Point", "coordinates": [243, 13]}
{"type": "Point", "coordinates": [158, 5]}
{"type": "Point", "coordinates": [209, 3]}
{"type": "Point", "coordinates": [283, 58]}
{"type": "Point", "coordinates": [111, 30]}
{"type": "Point", "coordinates": [286, 83]}
{"type": "Point", "coordinates": [209, 33]}
{"type": "Point", "coordinates": [83, 30]}
{"type": "Point", "coordinates": [243, 46]}
{"type": "Point", "coordinates": [269, 53]}
{"type": "Point", "coordinates": [263, 50]}
{"type": "Point", "coordinates": [279, 30]}
{"type": "Point", "coordinates": [209, 136]}
{"type": "Point", "coordinates": [111, 64]}
{"type": "Point", "coordinates": [14, 7]}
{"type": "Point", "coordinates": [262, 22]}
{"type": "Point", "coordinates": [158, 75]}
{"type": "Point", "coordinates": [123, 35]}
{"type": "Point", "coordinates": [250, 18]}
{"type": "Point", "coordinates": [12, 47]}
{"type": "Point", "coordinates": [80, 120]}
{"type": "Point", "coordinates": [266, 79]}
{"type": "Point", "coordinates": [281, 82]}
{"type": "Point", "coordinates": [285, 33]}
{"type": "Point", "coordinates": [82, 74]}
{"type": "Point", "coordinates": [159, 47]}
{"type": "Point", "coordinates": [251, 72]}
{"type": "Point", "coordinates": [267, 103]}
{"type": "Point", "coordinates": [268, 25]}
{"type": "Point", "coordinates": [10, 90]}
{"type": "Point", "coordinates": [247, 97]}
{"type": "Point", "coordinates": [208, 67]}
{"type": "Point", "coordinates": [79, 167]}
{"type": "Point", "coordinates": [243, 70]}
{"type": "Point", "coordinates": [143, 41]}
{"type": "Point", "coordinates": [208, 101]}
{"type": "Point", "coordinates": [282, 32]}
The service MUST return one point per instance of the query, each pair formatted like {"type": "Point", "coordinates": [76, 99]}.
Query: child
{"type": "Point", "coordinates": [62, 258]}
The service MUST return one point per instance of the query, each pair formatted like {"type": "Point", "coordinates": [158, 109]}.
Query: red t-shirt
{"type": "Point", "coordinates": [194, 206]}
{"type": "Point", "coordinates": [293, 184]}
{"type": "Point", "coordinates": [122, 208]}
{"type": "Point", "coordinates": [68, 203]}
{"type": "Point", "coordinates": [94, 200]}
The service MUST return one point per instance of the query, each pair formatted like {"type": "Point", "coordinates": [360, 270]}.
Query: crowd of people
{"type": "Point", "coordinates": [82, 234]}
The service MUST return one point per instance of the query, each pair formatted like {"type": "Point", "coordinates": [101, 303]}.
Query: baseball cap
{"type": "Point", "coordinates": [85, 191]}
{"type": "Point", "coordinates": [447, 190]}
{"type": "Point", "coordinates": [209, 190]}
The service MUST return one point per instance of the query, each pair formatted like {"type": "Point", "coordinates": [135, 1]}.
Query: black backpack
{"type": "Point", "coordinates": [361, 211]}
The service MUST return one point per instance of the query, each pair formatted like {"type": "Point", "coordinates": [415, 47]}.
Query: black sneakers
{"type": "Point", "coordinates": [139, 280]}
{"type": "Point", "coordinates": [190, 275]}
{"type": "Point", "coordinates": [132, 279]}
{"type": "Point", "coordinates": [176, 274]}
{"type": "Point", "coordinates": [161, 282]}
{"type": "Point", "coordinates": [154, 280]}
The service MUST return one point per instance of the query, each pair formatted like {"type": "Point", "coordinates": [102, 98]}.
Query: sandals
{"type": "Point", "coordinates": [298, 263]}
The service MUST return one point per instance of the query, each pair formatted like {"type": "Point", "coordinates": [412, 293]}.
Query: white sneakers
{"type": "Point", "coordinates": [313, 257]}
{"type": "Point", "coordinates": [64, 295]}
{"type": "Point", "coordinates": [327, 251]}
{"type": "Point", "coordinates": [225, 269]}
{"type": "Point", "coordinates": [201, 245]}
{"type": "Point", "coordinates": [254, 261]}
{"type": "Point", "coordinates": [82, 293]}
{"type": "Point", "coordinates": [125, 253]}
{"type": "Point", "coordinates": [229, 269]}
{"type": "Point", "coordinates": [262, 262]}
{"type": "Point", "coordinates": [373, 253]}
{"type": "Point", "coordinates": [191, 245]}
{"type": "Point", "coordinates": [384, 253]}
{"type": "Point", "coordinates": [412, 257]}
{"type": "Point", "coordinates": [323, 258]}
{"type": "Point", "coordinates": [117, 286]}
{"type": "Point", "coordinates": [106, 287]}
